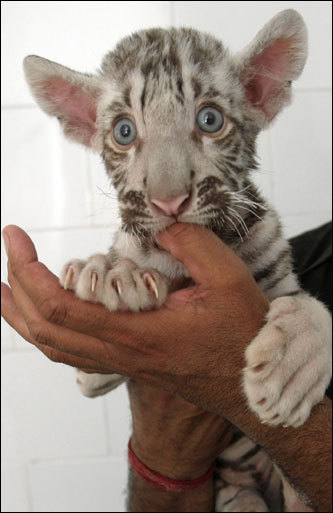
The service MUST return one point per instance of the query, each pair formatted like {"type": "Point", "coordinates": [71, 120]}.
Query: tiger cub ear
{"type": "Point", "coordinates": [66, 94]}
{"type": "Point", "coordinates": [269, 64]}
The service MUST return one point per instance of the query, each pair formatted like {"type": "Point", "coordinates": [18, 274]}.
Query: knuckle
{"type": "Point", "coordinates": [40, 332]}
{"type": "Point", "coordinates": [52, 355]}
{"type": "Point", "coordinates": [13, 268]}
{"type": "Point", "coordinates": [18, 270]}
{"type": "Point", "coordinates": [52, 310]}
{"type": "Point", "coordinates": [57, 356]}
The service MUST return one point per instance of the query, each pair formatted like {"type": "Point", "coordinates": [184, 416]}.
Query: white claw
{"type": "Point", "coordinates": [94, 278]}
{"type": "Point", "coordinates": [118, 284]}
{"type": "Point", "coordinates": [151, 285]}
{"type": "Point", "coordinates": [69, 276]}
{"type": "Point", "coordinates": [250, 367]}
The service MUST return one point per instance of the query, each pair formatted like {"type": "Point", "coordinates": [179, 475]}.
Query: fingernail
{"type": "Point", "coordinates": [5, 241]}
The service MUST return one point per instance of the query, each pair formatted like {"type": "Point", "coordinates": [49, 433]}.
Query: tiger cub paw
{"type": "Point", "coordinates": [123, 286]}
{"type": "Point", "coordinates": [94, 385]}
{"type": "Point", "coordinates": [289, 363]}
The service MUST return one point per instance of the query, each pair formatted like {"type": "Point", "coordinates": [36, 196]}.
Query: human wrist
{"type": "Point", "coordinates": [143, 496]}
{"type": "Point", "coordinates": [170, 463]}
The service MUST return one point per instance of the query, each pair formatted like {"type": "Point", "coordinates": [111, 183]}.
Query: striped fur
{"type": "Point", "coordinates": [160, 79]}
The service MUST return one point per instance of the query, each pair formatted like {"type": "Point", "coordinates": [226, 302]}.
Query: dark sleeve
{"type": "Point", "coordinates": [312, 253]}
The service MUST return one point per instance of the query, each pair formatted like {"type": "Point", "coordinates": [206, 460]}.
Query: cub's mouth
{"type": "Point", "coordinates": [230, 214]}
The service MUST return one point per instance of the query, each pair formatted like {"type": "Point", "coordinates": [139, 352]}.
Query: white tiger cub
{"type": "Point", "coordinates": [175, 118]}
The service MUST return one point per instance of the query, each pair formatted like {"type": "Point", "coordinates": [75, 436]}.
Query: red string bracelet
{"type": "Point", "coordinates": [156, 479]}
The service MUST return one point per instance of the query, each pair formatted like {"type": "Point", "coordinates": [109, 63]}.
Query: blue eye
{"type": "Point", "coordinates": [124, 131]}
{"type": "Point", "coordinates": [209, 120]}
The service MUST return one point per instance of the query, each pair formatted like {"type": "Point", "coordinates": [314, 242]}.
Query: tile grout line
{"type": "Point", "coordinates": [63, 228]}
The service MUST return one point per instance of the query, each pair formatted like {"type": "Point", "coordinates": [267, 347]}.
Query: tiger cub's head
{"type": "Point", "coordinates": [175, 119]}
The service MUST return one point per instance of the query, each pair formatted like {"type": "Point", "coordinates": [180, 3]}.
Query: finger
{"type": "Point", "coordinates": [47, 334]}
{"type": "Point", "coordinates": [61, 307]}
{"type": "Point", "coordinates": [11, 313]}
{"type": "Point", "coordinates": [57, 343]}
{"type": "Point", "coordinates": [21, 252]}
{"type": "Point", "coordinates": [15, 234]}
{"type": "Point", "coordinates": [77, 362]}
{"type": "Point", "coordinates": [209, 261]}
{"type": "Point", "coordinates": [124, 342]}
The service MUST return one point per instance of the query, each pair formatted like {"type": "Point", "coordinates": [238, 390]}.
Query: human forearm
{"type": "Point", "coordinates": [303, 454]}
{"type": "Point", "coordinates": [177, 440]}
{"type": "Point", "coordinates": [311, 447]}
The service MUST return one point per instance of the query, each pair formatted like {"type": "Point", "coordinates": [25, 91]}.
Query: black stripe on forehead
{"type": "Point", "coordinates": [116, 108]}
{"type": "Point", "coordinates": [197, 87]}
{"type": "Point", "coordinates": [162, 70]}
{"type": "Point", "coordinates": [127, 97]}
{"type": "Point", "coordinates": [205, 50]}
{"type": "Point", "coordinates": [209, 93]}
{"type": "Point", "coordinates": [155, 87]}
{"type": "Point", "coordinates": [155, 39]}
{"type": "Point", "coordinates": [143, 96]}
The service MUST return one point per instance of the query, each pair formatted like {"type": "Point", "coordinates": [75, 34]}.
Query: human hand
{"type": "Point", "coordinates": [193, 346]}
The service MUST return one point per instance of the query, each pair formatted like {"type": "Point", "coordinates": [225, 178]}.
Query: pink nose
{"type": "Point", "coordinates": [171, 207]}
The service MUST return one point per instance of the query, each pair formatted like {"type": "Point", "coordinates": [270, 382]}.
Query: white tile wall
{"type": "Point", "coordinates": [236, 23]}
{"type": "Point", "coordinates": [15, 491]}
{"type": "Point", "coordinates": [301, 150]}
{"type": "Point", "coordinates": [77, 35]}
{"type": "Point", "coordinates": [83, 485]}
{"type": "Point", "coordinates": [58, 423]}
{"type": "Point", "coordinates": [49, 165]}
{"type": "Point", "coordinates": [118, 414]}
{"type": "Point", "coordinates": [54, 439]}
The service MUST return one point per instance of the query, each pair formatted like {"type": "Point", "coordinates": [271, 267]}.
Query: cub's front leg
{"type": "Point", "coordinates": [289, 363]}
{"type": "Point", "coordinates": [118, 286]}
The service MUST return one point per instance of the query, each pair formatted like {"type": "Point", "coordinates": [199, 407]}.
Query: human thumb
{"type": "Point", "coordinates": [208, 260]}
{"type": "Point", "coordinates": [19, 247]}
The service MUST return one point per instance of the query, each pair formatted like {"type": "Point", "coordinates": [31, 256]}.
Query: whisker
{"type": "Point", "coordinates": [249, 210]}
{"type": "Point", "coordinates": [240, 219]}
{"type": "Point", "coordinates": [240, 190]}
{"type": "Point", "coordinates": [231, 221]}
{"type": "Point", "coordinates": [107, 194]}
{"type": "Point", "coordinates": [237, 197]}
